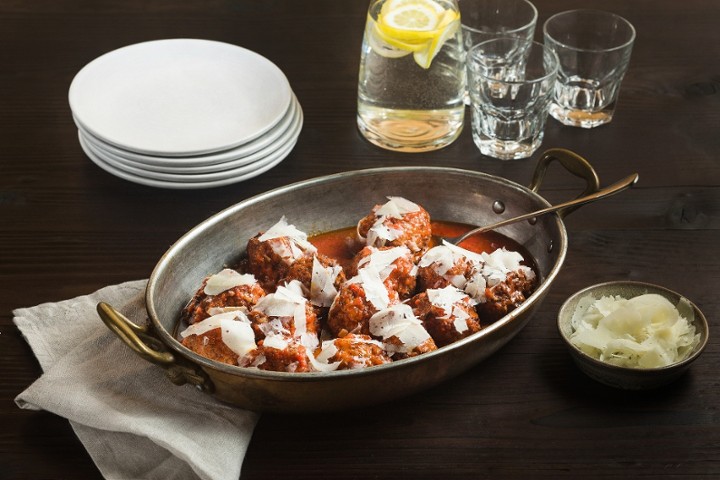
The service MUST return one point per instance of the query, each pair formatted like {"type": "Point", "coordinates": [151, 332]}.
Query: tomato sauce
{"type": "Point", "coordinates": [342, 244]}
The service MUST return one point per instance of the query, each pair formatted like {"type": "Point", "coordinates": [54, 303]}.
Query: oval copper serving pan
{"type": "Point", "coordinates": [326, 204]}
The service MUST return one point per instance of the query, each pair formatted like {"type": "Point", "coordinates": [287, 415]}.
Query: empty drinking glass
{"type": "Point", "coordinates": [594, 51]}
{"type": "Point", "coordinates": [484, 20]}
{"type": "Point", "coordinates": [511, 84]}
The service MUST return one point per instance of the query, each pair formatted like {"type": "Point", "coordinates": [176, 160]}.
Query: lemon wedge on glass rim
{"type": "Point", "coordinates": [420, 27]}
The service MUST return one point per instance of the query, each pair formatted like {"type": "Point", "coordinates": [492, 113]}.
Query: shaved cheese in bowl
{"type": "Point", "coordinates": [646, 331]}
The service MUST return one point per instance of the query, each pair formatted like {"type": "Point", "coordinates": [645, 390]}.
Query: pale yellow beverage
{"type": "Point", "coordinates": [412, 75]}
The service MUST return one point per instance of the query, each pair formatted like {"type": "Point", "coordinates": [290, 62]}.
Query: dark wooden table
{"type": "Point", "coordinates": [68, 228]}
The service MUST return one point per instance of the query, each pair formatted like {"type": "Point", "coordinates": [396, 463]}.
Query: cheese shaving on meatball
{"type": "Point", "coordinates": [297, 239]}
{"type": "Point", "coordinates": [375, 291]}
{"type": "Point", "coordinates": [321, 362]}
{"type": "Point", "coordinates": [379, 234]}
{"type": "Point", "coordinates": [396, 207]}
{"type": "Point", "coordinates": [499, 263]}
{"type": "Point", "coordinates": [399, 321]}
{"type": "Point", "coordinates": [227, 279]}
{"type": "Point", "coordinates": [235, 329]}
{"type": "Point", "coordinates": [322, 283]}
{"type": "Point", "coordinates": [382, 260]}
{"type": "Point", "coordinates": [448, 299]}
{"type": "Point", "coordinates": [288, 301]}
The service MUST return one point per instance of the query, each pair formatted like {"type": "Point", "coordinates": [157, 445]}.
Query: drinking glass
{"type": "Point", "coordinates": [594, 50]}
{"type": "Point", "coordinates": [511, 84]}
{"type": "Point", "coordinates": [412, 76]}
{"type": "Point", "coordinates": [484, 20]}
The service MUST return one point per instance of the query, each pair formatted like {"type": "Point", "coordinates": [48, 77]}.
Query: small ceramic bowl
{"type": "Point", "coordinates": [625, 377]}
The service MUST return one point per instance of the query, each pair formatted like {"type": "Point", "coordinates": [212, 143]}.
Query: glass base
{"type": "Point", "coordinates": [580, 118]}
{"type": "Point", "coordinates": [411, 131]}
{"type": "Point", "coordinates": [506, 149]}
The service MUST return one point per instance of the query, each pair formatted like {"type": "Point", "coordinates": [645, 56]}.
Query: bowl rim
{"type": "Point", "coordinates": [699, 318]}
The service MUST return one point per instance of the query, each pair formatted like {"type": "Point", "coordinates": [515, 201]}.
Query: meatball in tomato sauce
{"type": "Point", "coordinates": [349, 352]}
{"type": "Point", "coordinates": [448, 314]}
{"type": "Point", "coordinates": [223, 291]}
{"type": "Point", "coordinates": [399, 222]}
{"type": "Point", "coordinates": [271, 254]}
{"type": "Point", "coordinates": [394, 265]}
{"type": "Point", "coordinates": [358, 299]}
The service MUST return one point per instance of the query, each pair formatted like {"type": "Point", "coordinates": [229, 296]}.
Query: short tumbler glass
{"type": "Point", "coordinates": [484, 20]}
{"type": "Point", "coordinates": [594, 51]}
{"type": "Point", "coordinates": [511, 83]}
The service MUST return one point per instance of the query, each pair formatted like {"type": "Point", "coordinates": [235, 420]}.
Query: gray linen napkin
{"type": "Point", "coordinates": [133, 421]}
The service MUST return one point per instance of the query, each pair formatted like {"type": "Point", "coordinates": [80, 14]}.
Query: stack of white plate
{"type": "Point", "coordinates": [184, 113]}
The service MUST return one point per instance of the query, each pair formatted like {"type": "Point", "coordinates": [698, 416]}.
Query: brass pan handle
{"type": "Point", "coordinates": [573, 163]}
{"type": "Point", "coordinates": [150, 348]}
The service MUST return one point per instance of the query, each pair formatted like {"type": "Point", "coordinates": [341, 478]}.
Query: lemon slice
{"type": "Point", "coordinates": [420, 27]}
{"type": "Point", "coordinates": [386, 46]}
{"type": "Point", "coordinates": [393, 4]}
{"type": "Point", "coordinates": [447, 29]}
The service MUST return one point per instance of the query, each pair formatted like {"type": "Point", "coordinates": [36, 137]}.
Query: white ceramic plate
{"type": "Point", "coordinates": [179, 97]}
{"type": "Point", "coordinates": [274, 159]}
{"type": "Point", "coordinates": [210, 160]}
{"type": "Point", "coordinates": [290, 134]}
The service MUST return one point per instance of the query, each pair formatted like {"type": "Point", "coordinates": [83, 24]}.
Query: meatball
{"type": "Point", "coordinates": [402, 333]}
{"type": "Point", "coordinates": [445, 265]}
{"type": "Point", "coordinates": [500, 284]}
{"type": "Point", "coordinates": [506, 296]}
{"type": "Point", "coordinates": [320, 275]}
{"type": "Point", "coordinates": [286, 312]}
{"type": "Point", "coordinates": [448, 314]}
{"type": "Point", "coordinates": [353, 351]}
{"type": "Point", "coordinates": [398, 222]}
{"type": "Point", "coordinates": [210, 345]}
{"type": "Point", "coordinates": [271, 254]}
{"type": "Point", "coordinates": [225, 337]}
{"type": "Point", "coordinates": [358, 299]}
{"type": "Point", "coordinates": [278, 355]}
{"type": "Point", "coordinates": [225, 289]}
{"type": "Point", "coordinates": [395, 266]}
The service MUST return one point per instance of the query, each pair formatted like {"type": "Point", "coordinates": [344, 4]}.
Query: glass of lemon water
{"type": "Point", "coordinates": [412, 75]}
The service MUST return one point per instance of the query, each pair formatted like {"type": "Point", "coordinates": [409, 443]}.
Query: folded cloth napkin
{"type": "Point", "coordinates": [133, 421]}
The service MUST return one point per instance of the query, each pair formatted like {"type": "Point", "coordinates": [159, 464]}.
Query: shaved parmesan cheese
{"type": "Point", "coordinates": [646, 331]}
{"type": "Point", "coordinates": [284, 301]}
{"type": "Point", "coordinates": [213, 322]}
{"type": "Point", "coordinates": [475, 287]}
{"type": "Point", "coordinates": [379, 234]}
{"type": "Point", "coordinates": [217, 310]}
{"type": "Point", "coordinates": [448, 299]}
{"type": "Point", "coordinates": [238, 336]}
{"type": "Point", "coordinates": [279, 342]}
{"type": "Point", "coordinates": [321, 362]}
{"type": "Point", "coordinates": [396, 207]}
{"type": "Point", "coordinates": [399, 321]}
{"type": "Point", "coordinates": [322, 283]}
{"type": "Point", "coordinates": [440, 256]}
{"type": "Point", "coordinates": [382, 260]}
{"type": "Point", "coordinates": [444, 257]}
{"type": "Point", "coordinates": [236, 331]}
{"type": "Point", "coordinates": [375, 291]}
{"type": "Point", "coordinates": [287, 302]}
{"type": "Point", "coordinates": [498, 264]}
{"type": "Point", "coordinates": [227, 279]}
{"type": "Point", "coordinates": [298, 241]}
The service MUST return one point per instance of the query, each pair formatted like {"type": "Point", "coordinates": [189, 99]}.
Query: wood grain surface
{"type": "Point", "coordinates": [68, 228]}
